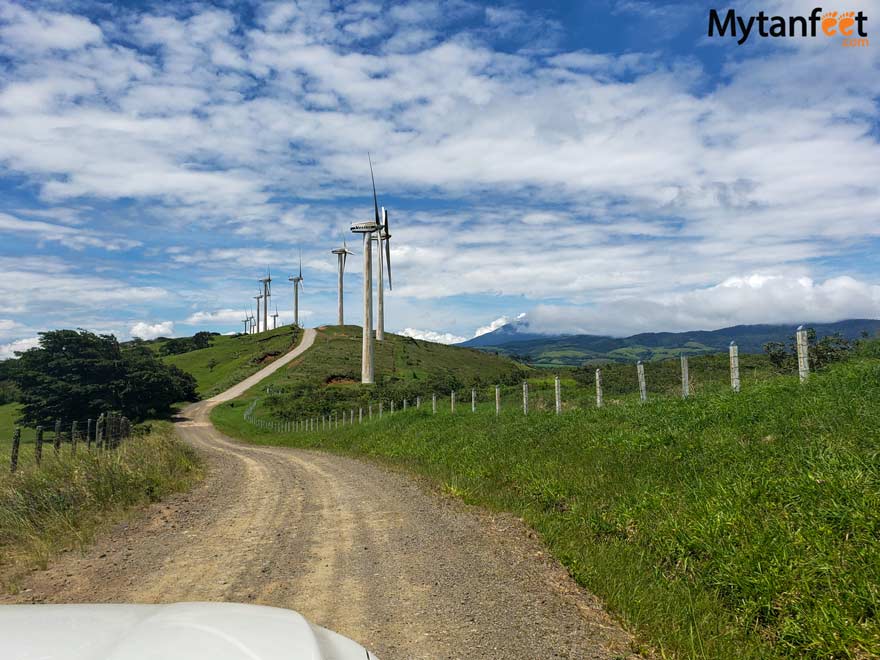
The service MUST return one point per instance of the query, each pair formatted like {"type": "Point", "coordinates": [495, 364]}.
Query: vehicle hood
{"type": "Point", "coordinates": [190, 631]}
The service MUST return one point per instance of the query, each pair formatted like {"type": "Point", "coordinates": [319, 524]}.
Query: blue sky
{"type": "Point", "coordinates": [600, 167]}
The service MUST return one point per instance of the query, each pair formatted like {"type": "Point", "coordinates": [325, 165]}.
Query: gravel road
{"type": "Point", "coordinates": [368, 552]}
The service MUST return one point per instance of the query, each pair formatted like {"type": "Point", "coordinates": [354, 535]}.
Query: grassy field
{"type": "Point", "coordinates": [724, 526]}
{"type": "Point", "coordinates": [62, 503]}
{"type": "Point", "coordinates": [232, 358]}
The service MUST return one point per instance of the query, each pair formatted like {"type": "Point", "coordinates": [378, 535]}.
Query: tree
{"type": "Point", "coordinates": [76, 374]}
{"type": "Point", "coordinates": [822, 352]}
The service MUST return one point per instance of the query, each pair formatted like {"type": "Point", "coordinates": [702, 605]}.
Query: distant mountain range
{"type": "Point", "coordinates": [516, 339]}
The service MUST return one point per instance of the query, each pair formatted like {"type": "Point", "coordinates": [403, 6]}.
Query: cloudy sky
{"type": "Point", "coordinates": [602, 167]}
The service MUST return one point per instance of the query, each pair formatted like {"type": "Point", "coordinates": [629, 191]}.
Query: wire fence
{"type": "Point", "coordinates": [538, 396]}
{"type": "Point", "coordinates": [34, 444]}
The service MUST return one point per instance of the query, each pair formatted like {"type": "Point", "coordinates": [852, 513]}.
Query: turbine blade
{"type": "Point", "coordinates": [375, 200]}
{"type": "Point", "coordinates": [387, 247]}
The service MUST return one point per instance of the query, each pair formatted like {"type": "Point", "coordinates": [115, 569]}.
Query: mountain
{"type": "Point", "coordinates": [514, 331]}
{"type": "Point", "coordinates": [572, 350]}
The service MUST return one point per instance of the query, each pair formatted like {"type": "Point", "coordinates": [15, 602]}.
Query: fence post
{"type": "Point", "coordinates": [56, 441]}
{"type": "Point", "coordinates": [99, 431]}
{"type": "Point", "coordinates": [404, 404]}
{"type": "Point", "coordinates": [599, 398]}
{"type": "Point", "coordinates": [803, 353]}
{"type": "Point", "coordinates": [685, 379]}
{"type": "Point", "coordinates": [16, 440]}
{"type": "Point", "coordinates": [643, 387]}
{"type": "Point", "coordinates": [351, 418]}
{"type": "Point", "coordinates": [525, 397]}
{"type": "Point", "coordinates": [89, 434]}
{"type": "Point", "coordinates": [734, 366]}
{"type": "Point", "coordinates": [497, 400]}
{"type": "Point", "coordinates": [73, 434]}
{"type": "Point", "coordinates": [558, 390]}
{"type": "Point", "coordinates": [434, 403]}
{"type": "Point", "coordinates": [381, 406]}
{"type": "Point", "coordinates": [370, 411]}
{"type": "Point", "coordinates": [392, 407]}
{"type": "Point", "coordinates": [452, 401]}
{"type": "Point", "coordinates": [38, 445]}
{"type": "Point", "coordinates": [473, 399]}
{"type": "Point", "coordinates": [418, 402]}
{"type": "Point", "coordinates": [361, 415]}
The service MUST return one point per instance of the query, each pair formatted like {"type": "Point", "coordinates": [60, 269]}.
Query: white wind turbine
{"type": "Point", "coordinates": [297, 285]}
{"type": "Point", "coordinates": [341, 254]}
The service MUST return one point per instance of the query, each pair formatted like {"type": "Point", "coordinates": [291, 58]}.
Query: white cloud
{"type": "Point", "coordinates": [430, 335]}
{"type": "Point", "coordinates": [494, 325]}
{"type": "Point", "coordinates": [7, 351]}
{"type": "Point", "coordinates": [146, 330]}
{"type": "Point", "coordinates": [215, 317]}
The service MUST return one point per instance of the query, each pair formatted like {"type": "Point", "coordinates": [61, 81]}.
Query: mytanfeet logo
{"type": "Point", "coordinates": [850, 26]}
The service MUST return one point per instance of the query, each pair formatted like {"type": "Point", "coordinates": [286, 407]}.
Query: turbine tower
{"type": "Point", "coordinates": [275, 318]}
{"type": "Point", "coordinates": [297, 285]}
{"type": "Point", "coordinates": [367, 229]}
{"type": "Point", "coordinates": [267, 291]}
{"type": "Point", "coordinates": [383, 236]}
{"type": "Point", "coordinates": [341, 254]}
{"type": "Point", "coordinates": [247, 321]}
{"type": "Point", "coordinates": [258, 298]}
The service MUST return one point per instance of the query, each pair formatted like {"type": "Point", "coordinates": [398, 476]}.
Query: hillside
{"type": "Point", "coordinates": [232, 358]}
{"type": "Point", "coordinates": [328, 375]}
{"type": "Point", "coordinates": [550, 351]}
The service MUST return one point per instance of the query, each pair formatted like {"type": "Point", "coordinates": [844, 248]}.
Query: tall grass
{"type": "Point", "coordinates": [63, 502]}
{"type": "Point", "coordinates": [726, 525]}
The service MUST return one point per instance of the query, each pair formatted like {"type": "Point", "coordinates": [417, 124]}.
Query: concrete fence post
{"type": "Point", "coordinates": [434, 403]}
{"type": "Point", "coordinates": [473, 399]}
{"type": "Point", "coordinates": [370, 411]}
{"type": "Point", "coordinates": [452, 401]}
{"type": "Point", "coordinates": [381, 406]}
{"type": "Point", "coordinates": [38, 445]}
{"type": "Point", "coordinates": [56, 441]}
{"type": "Point", "coordinates": [557, 386]}
{"type": "Point", "coordinates": [685, 378]}
{"type": "Point", "coordinates": [16, 441]}
{"type": "Point", "coordinates": [392, 407]}
{"type": "Point", "coordinates": [803, 353]}
{"type": "Point", "coordinates": [497, 400]}
{"type": "Point", "coordinates": [404, 404]}
{"type": "Point", "coordinates": [525, 397]}
{"type": "Point", "coordinates": [599, 398]}
{"type": "Point", "coordinates": [734, 366]}
{"type": "Point", "coordinates": [418, 402]}
{"type": "Point", "coordinates": [643, 387]}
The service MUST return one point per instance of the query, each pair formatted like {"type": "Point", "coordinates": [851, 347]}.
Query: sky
{"type": "Point", "coordinates": [598, 167]}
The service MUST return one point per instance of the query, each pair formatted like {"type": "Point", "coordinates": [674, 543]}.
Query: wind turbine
{"type": "Point", "coordinates": [383, 236]}
{"type": "Point", "coordinates": [247, 322]}
{"type": "Point", "coordinates": [267, 291]}
{"type": "Point", "coordinates": [341, 254]}
{"type": "Point", "coordinates": [258, 298]}
{"type": "Point", "coordinates": [275, 318]}
{"type": "Point", "coordinates": [297, 285]}
{"type": "Point", "coordinates": [367, 229]}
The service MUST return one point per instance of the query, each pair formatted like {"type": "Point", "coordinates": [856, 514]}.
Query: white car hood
{"type": "Point", "coordinates": [181, 631]}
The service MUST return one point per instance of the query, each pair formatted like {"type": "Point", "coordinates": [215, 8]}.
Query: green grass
{"type": "Point", "coordinates": [724, 526]}
{"type": "Point", "coordinates": [232, 358]}
{"type": "Point", "coordinates": [8, 415]}
{"type": "Point", "coordinates": [62, 503]}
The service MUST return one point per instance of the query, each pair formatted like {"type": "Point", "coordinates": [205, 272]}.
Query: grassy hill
{"type": "Point", "coordinates": [721, 526]}
{"type": "Point", "coordinates": [232, 358]}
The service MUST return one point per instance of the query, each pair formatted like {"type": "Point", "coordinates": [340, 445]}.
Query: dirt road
{"type": "Point", "coordinates": [362, 550]}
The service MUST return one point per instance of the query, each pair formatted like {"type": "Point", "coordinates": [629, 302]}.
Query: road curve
{"type": "Point", "coordinates": [365, 551]}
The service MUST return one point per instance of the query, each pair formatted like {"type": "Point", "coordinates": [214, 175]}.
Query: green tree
{"type": "Point", "coordinates": [75, 374]}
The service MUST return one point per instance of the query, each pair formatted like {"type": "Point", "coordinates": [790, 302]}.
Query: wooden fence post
{"type": "Point", "coordinates": [803, 353]}
{"type": "Point", "coordinates": [525, 397]}
{"type": "Point", "coordinates": [99, 431]}
{"type": "Point", "coordinates": [73, 433]}
{"type": "Point", "coordinates": [56, 441]}
{"type": "Point", "coordinates": [434, 403]}
{"type": "Point", "coordinates": [734, 366]}
{"type": "Point", "coordinates": [16, 441]}
{"type": "Point", "coordinates": [38, 445]}
{"type": "Point", "coordinates": [685, 378]}
{"type": "Point", "coordinates": [599, 398]}
{"type": "Point", "coordinates": [89, 434]}
{"type": "Point", "coordinates": [497, 400]}
{"type": "Point", "coordinates": [557, 387]}
{"type": "Point", "coordinates": [473, 399]}
{"type": "Point", "coordinates": [452, 401]}
{"type": "Point", "coordinates": [643, 387]}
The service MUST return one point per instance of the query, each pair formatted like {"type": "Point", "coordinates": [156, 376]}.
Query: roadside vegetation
{"type": "Point", "coordinates": [724, 525]}
{"type": "Point", "coordinates": [63, 502]}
